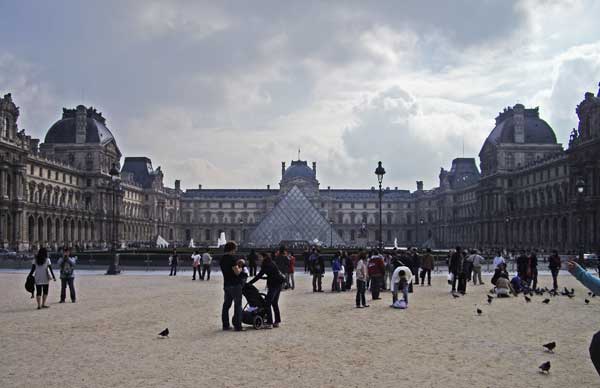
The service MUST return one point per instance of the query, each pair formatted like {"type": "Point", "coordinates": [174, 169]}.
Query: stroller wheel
{"type": "Point", "coordinates": [258, 322]}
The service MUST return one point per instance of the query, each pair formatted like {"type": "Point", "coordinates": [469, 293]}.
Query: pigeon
{"type": "Point", "coordinates": [571, 296]}
{"type": "Point", "coordinates": [455, 296]}
{"type": "Point", "coordinates": [527, 299]}
{"type": "Point", "coordinates": [550, 346]}
{"type": "Point", "coordinates": [490, 299]}
{"type": "Point", "coordinates": [479, 312]}
{"type": "Point", "coordinates": [545, 367]}
{"type": "Point", "coordinates": [572, 291]}
{"type": "Point", "coordinates": [164, 333]}
{"type": "Point", "coordinates": [590, 293]}
{"type": "Point", "coordinates": [546, 301]}
{"type": "Point", "coordinates": [587, 301]}
{"type": "Point", "coordinates": [567, 290]}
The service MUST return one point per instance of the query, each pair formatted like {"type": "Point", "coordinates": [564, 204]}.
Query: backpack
{"type": "Point", "coordinates": [30, 283]}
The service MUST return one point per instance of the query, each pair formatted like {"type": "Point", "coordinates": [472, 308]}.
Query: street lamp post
{"type": "Point", "coordinates": [507, 232]}
{"type": "Point", "coordinates": [113, 267]}
{"type": "Point", "coordinates": [330, 233]}
{"type": "Point", "coordinates": [380, 172]}
{"type": "Point", "coordinates": [580, 186]}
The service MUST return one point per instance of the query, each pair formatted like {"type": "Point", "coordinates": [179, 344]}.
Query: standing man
{"type": "Point", "coordinates": [67, 275]}
{"type": "Point", "coordinates": [476, 261]}
{"type": "Point", "coordinates": [498, 260]}
{"type": "Point", "coordinates": [554, 264]}
{"type": "Point", "coordinates": [317, 267]}
{"type": "Point", "coordinates": [291, 269]}
{"type": "Point", "coordinates": [455, 267]}
{"type": "Point", "coordinates": [206, 262]}
{"type": "Point", "coordinates": [252, 257]}
{"type": "Point", "coordinates": [282, 261]}
{"type": "Point", "coordinates": [232, 287]}
{"type": "Point", "coordinates": [427, 267]}
{"type": "Point", "coordinates": [196, 263]}
{"type": "Point", "coordinates": [173, 261]}
{"type": "Point", "coordinates": [376, 271]}
{"type": "Point", "coordinates": [532, 271]}
{"type": "Point", "coordinates": [416, 264]}
{"type": "Point", "coordinates": [335, 268]}
{"type": "Point", "coordinates": [361, 281]}
{"type": "Point", "coordinates": [523, 265]}
{"type": "Point", "coordinates": [349, 266]}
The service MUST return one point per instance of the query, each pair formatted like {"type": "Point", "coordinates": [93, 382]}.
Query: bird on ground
{"type": "Point", "coordinates": [527, 299]}
{"type": "Point", "coordinates": [490, 299]}
{"type": "Point", "coordinates": [566, 291]}
{"type": "Point", "coordinates": [546, 301]}
{"type": "Point", "coordinates": [550, 346]}
{"type": "Point", "coordinates": [587, 301]}
{"type": "Point", "coordinates": [479, 312]}
{"type": "Point", "coordinates": [570, 296]}
{"type": "Point", "coordinates": [572, 291]}
{"type": "Point", "coordinates": [545, 367]}
{"type": "Point", "coordinates": [164, 333]}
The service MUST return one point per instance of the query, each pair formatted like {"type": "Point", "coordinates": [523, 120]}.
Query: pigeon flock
{"type": "Point", "coordinates": [545, 367]}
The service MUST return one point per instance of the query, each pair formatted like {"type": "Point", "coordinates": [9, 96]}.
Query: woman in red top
{"type": "Point", "coordinates": [290, 274]}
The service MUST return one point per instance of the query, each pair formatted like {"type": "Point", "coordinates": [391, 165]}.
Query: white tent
{"type": "Point", "coordinates": [222, 240]}
{"type": "Point", "coordinates": [192, 244]}
{"type": "Point", "coordinates": [161, 242]}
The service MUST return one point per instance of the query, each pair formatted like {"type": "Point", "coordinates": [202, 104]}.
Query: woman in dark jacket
{"type": "Point", "coordinates": [275, 280]}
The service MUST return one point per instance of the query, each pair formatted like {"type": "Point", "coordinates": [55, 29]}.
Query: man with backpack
{"type": "Point", "coordinates": [67, 277]}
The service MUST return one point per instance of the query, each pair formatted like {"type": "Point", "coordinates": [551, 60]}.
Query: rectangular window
{"type": "Point", "coordinates": [32, 169]}
{"type": "Point", "coordinates": [49, 174]}
{"type": "Point", "coordinates": [88, 182]}
{"type": "Point", "coordinates": [41, 172]}
{"type": "Point", "coordinates": [56, 175]}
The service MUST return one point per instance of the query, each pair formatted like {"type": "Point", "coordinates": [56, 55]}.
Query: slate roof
{"type": "Point", "coordinates": [63, 131]}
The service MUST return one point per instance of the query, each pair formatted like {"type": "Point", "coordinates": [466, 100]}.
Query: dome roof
{"type": "Point", "coordinates": [537, 131]}
{"type": "Point", "coordinates": [64, 130]}
{"type": "Point", "coordinates": [298, 169]}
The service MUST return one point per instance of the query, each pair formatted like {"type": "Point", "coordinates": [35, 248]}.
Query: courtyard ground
{"type": "Point", "coordinates": [108, 338]}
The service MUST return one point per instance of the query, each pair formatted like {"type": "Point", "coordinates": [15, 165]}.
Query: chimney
{"type": "Point", "coordinates": [268, 187]}
{"type": "Point", "coordinates": [199, 187]}
{"type": "Point", "coordinates": [282, 168]}
{"type": "Point", "coordinates": [177, 184]}
{"type": "Point", "coordinates": [328, 187]}
{"type": "Point", "coordinates": [80, 124]}
{"type": "Point", "coordinates": [419, 185]}
{"type": "Point", "coordinates": [315, 168]}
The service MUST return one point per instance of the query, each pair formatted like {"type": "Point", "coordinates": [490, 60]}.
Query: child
{"type": "Point", "coordinates": [400, 280]}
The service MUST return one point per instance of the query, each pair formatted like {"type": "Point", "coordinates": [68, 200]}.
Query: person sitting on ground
{"type": "Point", "coordinates": [519, 285]}
{"type": "Point", "coordinates": [499, 272]}
{"type": "Point", "coordinates": [400, 279]}
{"type": "Point", "coordinates": [503, 288]}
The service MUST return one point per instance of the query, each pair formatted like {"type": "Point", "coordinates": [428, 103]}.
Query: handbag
{"type": "Point", "coordinates": [30, 283]}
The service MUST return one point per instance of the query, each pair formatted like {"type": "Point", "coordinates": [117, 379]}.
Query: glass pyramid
{"type": "Point", "coordinates": [294, 218]}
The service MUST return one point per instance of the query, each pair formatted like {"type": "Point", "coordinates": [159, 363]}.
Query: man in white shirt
{"type": "Point", "coordinates": [477, 261]}
{"type": "Point", "coordinates": [196, 263]}
{"type": "Point", "coordinates": [498, 260]}
{"type": "Point", "coordinates": [206, 260]}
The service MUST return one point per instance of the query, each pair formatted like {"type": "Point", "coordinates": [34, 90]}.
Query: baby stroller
{"type": "Point", "coordinates": [255, 312]}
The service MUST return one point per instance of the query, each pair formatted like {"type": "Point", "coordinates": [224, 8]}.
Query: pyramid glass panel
{"type": "Point", "coordinates": [294, 218]}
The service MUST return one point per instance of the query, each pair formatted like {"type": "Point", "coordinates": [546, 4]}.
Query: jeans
{"type": "Point", "coordinates": [395, 288]}
{"type": "Point", "coordinates": [454, 280]}
{"type": "Point", "coordinates": [477, 275]}
{"type": "Point", "coordinates": [205, 271]}
{"type": "Point", "coordinates": [462, 283]}
{"type": "Point", "coordinates": [595, 351]}
{"type": "Point", "coordinates": [415, 270]}
{"type": "Point", "coordinates": [360, 292]}
{"type": "Point", "coordinates": [316, 282]}
{"type": "Point", "coordinates": [375, 286]}
{"type": "Point", "coordinates": [554, 272]}
{"type": "Point", "coordinates": [63, 289]}
{"type": "Point", "coordinates": [272, 300]}
{"type": "Point", "coordinates": [334, 284]}
{"type": "Point", "coordinates": [291, 281]}
{"type": "Point", "coordinates": [173, 270]}
{"type": "Point", "coordinates": [196, 269]}
{"type": "Point", "coordinates": [232, 294]}
{"type": "Point", "coordinates": [426, 272]}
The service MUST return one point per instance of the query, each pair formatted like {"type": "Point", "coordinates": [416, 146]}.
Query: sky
{"type": "Point", "coordinates": [220, 93]}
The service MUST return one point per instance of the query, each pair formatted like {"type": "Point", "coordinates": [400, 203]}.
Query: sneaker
{"type": "Point", "coordinates": [62, 301]}
{"type": "Point", "coordinates": [45, 307]}
{"type": "Point", "coordinates": [276, 325]}
{"type": "Point", "coordinates": [359, 307]}
{"type": "Point", "coordinates": [366, 305]}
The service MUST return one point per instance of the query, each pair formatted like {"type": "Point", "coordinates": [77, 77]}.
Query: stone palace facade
{"type": "Point", "coordinates": [530, 192]}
